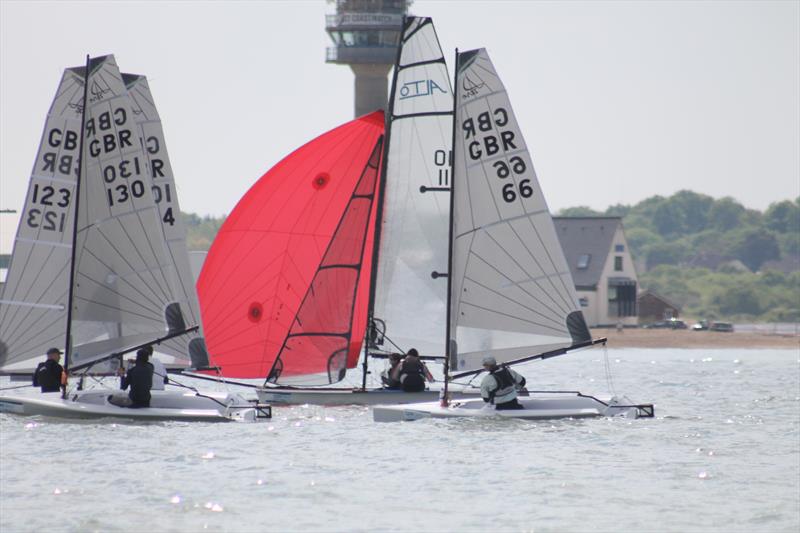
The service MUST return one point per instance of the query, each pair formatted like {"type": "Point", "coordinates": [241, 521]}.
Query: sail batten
{"type": "Point", "coordinates": [512, 291]}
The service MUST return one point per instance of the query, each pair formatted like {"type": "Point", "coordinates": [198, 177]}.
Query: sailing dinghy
{"type": "Point", "coordinates": [91, 268]}
{"type": "Point", "coordinates": [286, 282]}
{"type": "Point", "coordinates": [510, 292]}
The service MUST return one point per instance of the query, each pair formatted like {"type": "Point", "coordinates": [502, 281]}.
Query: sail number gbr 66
{"type": "Point", "coordinates": [485, 139]}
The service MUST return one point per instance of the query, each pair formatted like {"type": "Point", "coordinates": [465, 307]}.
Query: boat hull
{"type": "Point", "coordinates": [535, 408]}
{"type": "Point", "coordinates": [164, 405]}
{"type": "Point", "coordinates": [300, 396]}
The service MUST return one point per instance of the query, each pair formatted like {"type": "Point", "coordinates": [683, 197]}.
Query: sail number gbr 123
{"type": "Point", "coordinates": [485, 139]}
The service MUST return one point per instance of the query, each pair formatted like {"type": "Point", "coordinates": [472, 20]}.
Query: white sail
{"type": "Point", "coordinates": [416, 205]}
{"type": "Point", "coordinates": [122, 271]}
{"type": "Point", "coordinates": [512, 292]}
{"type": "Point", "coordinates": [151, 137]}
{"type": "Point", "coordinates": [33, 303]}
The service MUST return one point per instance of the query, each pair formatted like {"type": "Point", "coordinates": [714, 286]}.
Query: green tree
{"type": "Point", "coordinates": [580, 211]}
{"type": "Point", "coordinates": [783, 217]}
{"type": "Point", "coordinates": [665, 253]}
{"type": "Point", "coordinates": [754, 246]}
{"type": "Point", "coordinates": [725, 214]}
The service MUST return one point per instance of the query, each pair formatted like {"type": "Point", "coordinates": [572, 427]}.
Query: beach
{"type": "Point", "coordinates": [686, 338]}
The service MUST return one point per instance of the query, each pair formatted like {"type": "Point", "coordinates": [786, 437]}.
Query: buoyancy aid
{"type": "Point", "coordinates": [412, 375]}
{"type": "Point", "coordinates": [506, 386]}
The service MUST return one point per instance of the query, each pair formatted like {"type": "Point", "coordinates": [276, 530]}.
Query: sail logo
{"type": "Point", "coordinates": [470, 87]}
{"type": "Point", "coordinates": [413, 89]}
{"type": "Point", "coordinates": [97, 92]}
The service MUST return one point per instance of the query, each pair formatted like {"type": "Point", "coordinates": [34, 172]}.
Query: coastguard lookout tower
{"type": "Point", "coordinates": [365, 34]}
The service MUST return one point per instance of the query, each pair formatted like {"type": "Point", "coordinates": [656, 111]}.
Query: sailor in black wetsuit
{"type": "Point", "coordinates": [500, 386]}
{"type": "Point", "coordinates": [412, 372]}
{"type": "Point", "coordinates": [48, 374]}
{"type": "Point", "coordinates": [140, 380]}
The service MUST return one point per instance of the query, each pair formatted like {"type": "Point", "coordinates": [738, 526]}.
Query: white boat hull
{"type": "Point", "coordinates": [164, 405]}
{"type": "Point", "coordinates": [535, 408]}
{"type": "Point", "coordinates": [300, 396]}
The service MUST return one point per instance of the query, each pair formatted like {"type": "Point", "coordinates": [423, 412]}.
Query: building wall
{"type": "Point", "coordinates": [600, 312]}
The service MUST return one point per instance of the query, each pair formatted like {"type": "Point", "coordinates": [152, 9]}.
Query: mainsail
{"type": "Point", "coordinates": [122, 270]}
{"type": "Point", "coordinates": [316, 348]}
{"type": "Point", "coordinates": [151, 137]}
{"type": "Point", "coordinates": [33, 303]}
{"type": "Point", "coordinates": [121, 294]}
{"type": "Point", "coordinates": [512, 292]}
{"type": "Point", "coordinates": [410, 296]}
{"type": "Point", "coordinates": [265, 256]}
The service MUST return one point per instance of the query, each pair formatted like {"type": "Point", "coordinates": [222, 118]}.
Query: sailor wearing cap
{"type": "Point", "coordinates": [48, 375]}
{"type": "Point", "coordinates": [500, 385]}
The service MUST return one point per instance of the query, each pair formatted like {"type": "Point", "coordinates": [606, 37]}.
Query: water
{"type": "Point", "coordinates": [723, 454]}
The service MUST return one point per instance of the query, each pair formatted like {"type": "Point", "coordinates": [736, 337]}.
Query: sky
{"type": "Point", "coordinates": [618, 101]}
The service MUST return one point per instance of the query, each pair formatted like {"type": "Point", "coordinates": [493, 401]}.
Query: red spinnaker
{"type": "Point", "coordinates": [269, 249]}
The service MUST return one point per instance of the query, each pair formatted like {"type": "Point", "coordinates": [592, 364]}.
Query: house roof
{"type": "Point", "coordinates": [654, 294]}
{"type": "Point", "coordinates": [582, 236]}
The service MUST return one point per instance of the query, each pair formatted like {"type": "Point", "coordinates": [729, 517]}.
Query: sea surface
{"type": "Point", "coordinates": [722, 454]}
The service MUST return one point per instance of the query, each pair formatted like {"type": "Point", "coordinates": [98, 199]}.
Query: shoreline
{"type": "Point", "coordinates": [686, 338]}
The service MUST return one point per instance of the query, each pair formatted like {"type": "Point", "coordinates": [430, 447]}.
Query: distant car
{"type": "Point", "coordinates": [721, 326]}
{"type": "Point", "coordinates": [672, 323]}
{"type": "Point", "coordinates": [700, 326]}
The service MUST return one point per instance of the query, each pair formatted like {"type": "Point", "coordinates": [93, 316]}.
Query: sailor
{"type": "Point", "coordinates": [159, 370]}
{"type": "Point", "coordinates": [386, 376]}
{"type": "Point", "coordinates": [49, 375]}
{"type": "Point", "coordinates": [500, 385]}
{"type": "Point", "coordinates": [140, 380]}
{"type": "Point", "coordinates": [412, 372]}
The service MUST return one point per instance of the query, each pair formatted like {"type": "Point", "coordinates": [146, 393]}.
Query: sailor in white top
{"type": "Point", "coordinates": [500, 385]}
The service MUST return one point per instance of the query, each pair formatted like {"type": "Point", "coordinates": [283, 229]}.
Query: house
{"type": "Point", "coordinates": [602, 266]}
{"type": "Point", "coordinates": [653, 307]}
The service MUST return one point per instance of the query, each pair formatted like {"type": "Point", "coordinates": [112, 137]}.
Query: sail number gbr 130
{"type": "Point", "coordinates": [484, 139]}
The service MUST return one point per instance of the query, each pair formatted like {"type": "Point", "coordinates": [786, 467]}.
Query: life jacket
{"type": "Point", "coordinates": [506, 388]}
{"type": "Point", "coordinates": [48, 376]}
{"type": "Point", "coordinates": [412, 376]}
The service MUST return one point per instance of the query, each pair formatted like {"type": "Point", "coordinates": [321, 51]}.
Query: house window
{"type": "Point", "coordinates": [583, 261]}
{"type": "Point", "coordinates": [619, 247]}
{"type": "Point", "coordinates": [618, 263]}
{"type": "Point", "coordinates": [584, 301]}
{"type": "Point", "coordinates": [621, 298]}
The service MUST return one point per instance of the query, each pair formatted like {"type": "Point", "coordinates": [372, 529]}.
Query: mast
{"type": "Point", "coordinates": [376, 241]}
{"type": "Point", "coordinates": [68, 342]}
{"type": "Point", "coordinates": [447, 344]}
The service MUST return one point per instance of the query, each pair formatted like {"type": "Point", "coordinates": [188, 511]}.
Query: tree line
{"type": "Point", "coordinates": [714, 257]}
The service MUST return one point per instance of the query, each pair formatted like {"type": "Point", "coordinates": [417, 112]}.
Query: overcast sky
{"type": "Point", "coordinates": [618, 101]}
